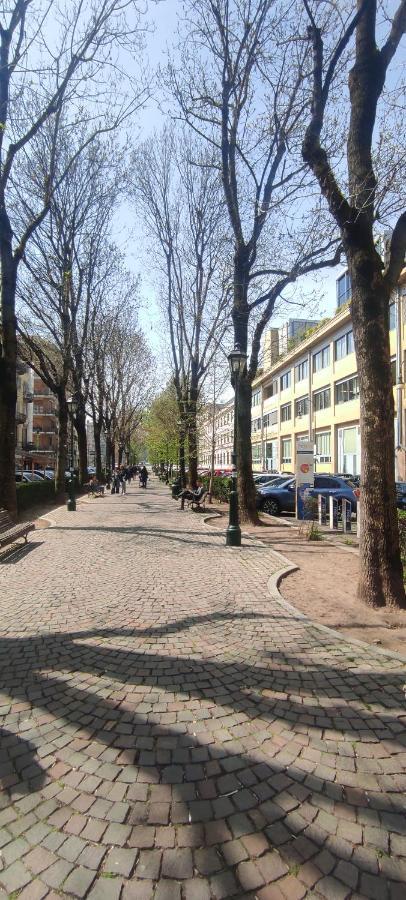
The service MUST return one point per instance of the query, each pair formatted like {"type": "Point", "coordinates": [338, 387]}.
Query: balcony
{"type": "Point", "coordinates": [21, 416]}
{"type": "Point", "coordinates": [28, 397]}
{"type": "Point", "coordinates": [45, 430]}
{"type": "Point", "coordinates": [42, 392]}
{"type": "Point", "coordinates": [41, 411]}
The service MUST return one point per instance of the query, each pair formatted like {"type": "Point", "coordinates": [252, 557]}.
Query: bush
{"type": "Point", "coordinates": [31, 493]}
{"type": "Point", "coordinates": [402, 534]}
{"type": "Point", "coordinates": [220, 487]}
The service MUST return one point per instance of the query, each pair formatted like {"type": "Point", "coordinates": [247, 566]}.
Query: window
{"type": "Point", "coordinates": [285, 380]}
{"type": "Point", "coordinates": [271, 389]}
{"type": "Point", "coordinates": [322, 399]}
{"type": "Point", "coordinates": [256, 398]}
{"type": "Point", "coordinates": [344, 345]}
{"type": "Point", "coordinates": [392, 317]}
{"type": "Point", "coordinates": [302, 407]}
{"type": "Point", "coordinates": [286, 450]}
{"type": "Point", "coordinates": [256, 452]}
{"type": "Point", "coordinates": [347, 390]}
{"type": "Point", "coordinates": [321, 359]}
{"type": "Point", "coordinates": [343, 289]}
{"type": "Point", "coordinates": [286, 412]}
{"type": "Point", "coordinates": [323, 448]}
{"type": "Point", "coordinates": [393, 369]}
{"type": "Point", "coordinates": [271, 418]}
{"type": "Point", "coordinates": [302, 370]}
{"type": "Point", "coordinates": [256, 425]}
{"type": "Point", "coordinates": [326, 482]}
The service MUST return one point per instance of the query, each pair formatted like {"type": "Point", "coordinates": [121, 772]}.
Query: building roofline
{"type": "Point", "coordinates": [323, 330]}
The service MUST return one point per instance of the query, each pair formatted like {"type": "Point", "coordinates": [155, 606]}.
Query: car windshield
{"type": "Point", "coordinates": [31, 476]}
{"type": "Point", "coordinates": [279, 481]}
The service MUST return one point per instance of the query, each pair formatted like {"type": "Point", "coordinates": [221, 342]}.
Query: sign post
{"type": "Point", "coordinates": [304, 476]}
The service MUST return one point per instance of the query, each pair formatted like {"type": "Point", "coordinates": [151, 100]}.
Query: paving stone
{"type": "Point", "coordinates": [149, 864]}
{"type": "Point", "coordinates": [120, 861]}
{"type": "Point", "coordinates": [15, 877]}
{"type": "Point", "coordinates": [167, 890]}
{"type": "Point", "coordinates": [106, 889]}
{"type": "Point", "coordinates": [56, 874]}
{"type": "Point", "coordinates": [196, 889]}
{"type": "Point", "coordinates": [177, 863]}
{"type": "Point", "coordinates": [79, 882]}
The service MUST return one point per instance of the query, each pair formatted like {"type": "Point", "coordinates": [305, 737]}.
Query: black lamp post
{"type": "Point", "coordinates": [72, 500]}
{"type": "Point", "coordinates": [237, 361]}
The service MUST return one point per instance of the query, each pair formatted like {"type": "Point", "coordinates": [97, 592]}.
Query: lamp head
{"type": "Point", "coordinates": [237, 361]}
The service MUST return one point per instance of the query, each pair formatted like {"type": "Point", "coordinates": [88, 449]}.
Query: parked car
{"type": "Point", "coordinates": [267, 477]}
{"type": "Point", "coordinates": [280, 496]}
{"type": "Point", "coordinates": [401, 494]}
{"type": "Point", "coordinates": [47, 474]}
{"type": "Point", "coordinates": [28, 477]}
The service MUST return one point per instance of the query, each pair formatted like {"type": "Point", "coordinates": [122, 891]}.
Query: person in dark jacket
{"type": "Point", "coordinates": [143, 476]}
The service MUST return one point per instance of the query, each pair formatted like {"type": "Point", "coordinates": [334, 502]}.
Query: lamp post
{"type": "Point", "coordinates": [237, 361]}
{"type": "Point", "coordinates": [72, 500]}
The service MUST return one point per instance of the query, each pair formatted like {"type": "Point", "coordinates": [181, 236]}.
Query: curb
{"type": "Point", "coordinates": [287, 568]}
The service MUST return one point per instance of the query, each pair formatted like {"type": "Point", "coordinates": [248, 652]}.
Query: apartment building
{"type": "Point", "coordinates": [311, 393]}
{"type": "Point", "coordinates": [217, 434]}
{"type": "Point", "coordinates": [36, 421]}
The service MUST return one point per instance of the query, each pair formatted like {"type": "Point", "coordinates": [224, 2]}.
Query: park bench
{"type": "Point", "coordinates": [9, 532]}
{"type": "Point", "coordinates": [95, 490]}
{"type": "Point", "coordinates": [197, 504]}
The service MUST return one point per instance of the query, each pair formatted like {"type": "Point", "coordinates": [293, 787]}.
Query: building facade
{"type": "Point", "coordinates": [215, 432]}
{"type": "Point", "coordinates": [312, 393]}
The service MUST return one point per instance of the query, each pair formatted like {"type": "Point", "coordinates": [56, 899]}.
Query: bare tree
{"type": "Point", "coordinates": [128, 381]}
{"type": "Point", "coordinates": [42, 72]}
{"type": "Point", "coordinates": [373, 279]}
{"type": "Point", "coordinates": [240, 86]}
{"type": "Point", "coordinates": [179, 193]}
{"type": "Point", "coordinates": [68, 269]}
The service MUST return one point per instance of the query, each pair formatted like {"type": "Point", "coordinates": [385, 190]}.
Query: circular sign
{"type": "Point", "coordinates": [305, 468]}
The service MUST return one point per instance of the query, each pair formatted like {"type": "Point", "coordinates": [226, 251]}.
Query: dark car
{"type": "Point", "coordinates": [277, 497]}
{"type": "Point", "coordinates": [280, 496]}
{"type": "Point", "coordinates": [401, 494]}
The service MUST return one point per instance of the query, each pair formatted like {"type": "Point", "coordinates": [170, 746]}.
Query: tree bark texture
{"type": "Point", "coordinates": [8, 374]}
{"type": "Point", "coordinates": [381, 572]}
{"type": "Point", "coordinates": [192, 436]}
{"type": "Point", "coordinates": [240, 314]}
{"type": "Point", "coordinates": [62, 451]}
{"type": "Point", "coordinates": [97, 449]}
{"type": "Point", "coordinates": [80, 425]}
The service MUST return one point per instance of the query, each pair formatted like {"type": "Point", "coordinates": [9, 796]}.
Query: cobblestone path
{"type": "Point", "coordinates": [170, 731]}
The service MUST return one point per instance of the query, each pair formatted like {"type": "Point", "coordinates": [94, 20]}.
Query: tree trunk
{"type": "Point", "coordinates": [192, 438]}
{"type": "Point", "coordinates": [80, 425]}
{"type": "Point", "coordinates": [62, 451]}
{"type": "Point", "coordinates": [120, 454]}
{"type": "Point", "coordinates": [246, 490]}
{"type": "Point", "coordinates": [245, 482]}
{"type": "Point", "coordinates": [182, 459]}
{"type": "Point", "coordinates": [8, 371]}
{"type": "Point", "coordinates": [381, 571]}
{"type": "Point", "coordinates": [97, 426]}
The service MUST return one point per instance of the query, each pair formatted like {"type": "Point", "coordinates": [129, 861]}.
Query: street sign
{"type": "Point", "coordinates": [304, 475]}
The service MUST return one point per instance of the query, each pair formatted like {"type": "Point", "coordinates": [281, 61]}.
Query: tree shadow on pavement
{"type": "Point", "coordinates": [246, 762]}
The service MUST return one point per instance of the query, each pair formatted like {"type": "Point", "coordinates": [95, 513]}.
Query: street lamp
{"type": "Point", "coordinates": [72, 406]}
{"type": "Point", "coordinates": [237, 361]}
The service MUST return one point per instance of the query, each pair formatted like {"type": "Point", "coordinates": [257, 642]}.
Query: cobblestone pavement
{"type": "Point", "coordinates": [170, 731]}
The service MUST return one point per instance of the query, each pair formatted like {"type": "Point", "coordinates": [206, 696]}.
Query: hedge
{"type": "Point", "coordinates": [34, 492]}
{"type": "Point", "coordinates": [220, 487]}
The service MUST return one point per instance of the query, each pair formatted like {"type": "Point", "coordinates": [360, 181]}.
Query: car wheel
{"type": "Point", "coordinates": [271, 507]}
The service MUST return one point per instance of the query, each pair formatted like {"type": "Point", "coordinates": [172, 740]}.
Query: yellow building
{"type": "Point", "coordinates": [311, 393]}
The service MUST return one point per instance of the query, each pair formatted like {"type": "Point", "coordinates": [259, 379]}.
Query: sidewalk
{"type": "Point", "coordinates": [169, 730]}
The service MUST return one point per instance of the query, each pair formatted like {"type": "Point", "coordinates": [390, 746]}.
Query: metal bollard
{"type": "Point", "coordinates": [346, 514]}
{"type": "Point", "coordinates": [333, 512]}
{"type": "Point", "coordinates": [322, 508]}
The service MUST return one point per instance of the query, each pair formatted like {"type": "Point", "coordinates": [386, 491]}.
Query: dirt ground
{"type": "Point", "coordinates": [324, 587]}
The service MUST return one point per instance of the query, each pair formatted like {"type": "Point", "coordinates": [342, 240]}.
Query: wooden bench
{"type": "Point", "coordinates": [9, 532]}
{"type": "Point", "coordinates": [197, 504]}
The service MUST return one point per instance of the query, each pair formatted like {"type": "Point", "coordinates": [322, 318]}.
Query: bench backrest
{"type": "Point", "coordinates": [5, 521]}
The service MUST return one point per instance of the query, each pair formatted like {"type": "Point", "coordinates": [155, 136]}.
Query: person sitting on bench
{"type": "Point", "coordinates": [191, 495]}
